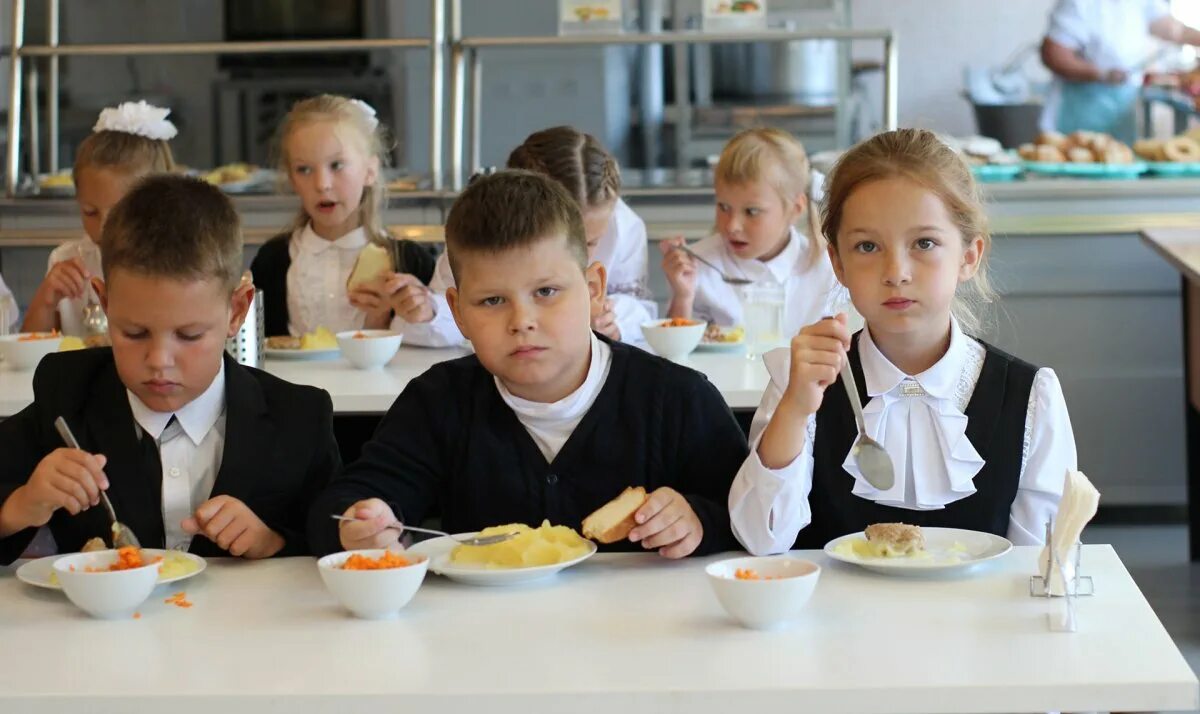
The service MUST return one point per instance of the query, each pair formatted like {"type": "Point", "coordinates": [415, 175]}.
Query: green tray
{"type": "Point", "coordinates": [1102, 171]}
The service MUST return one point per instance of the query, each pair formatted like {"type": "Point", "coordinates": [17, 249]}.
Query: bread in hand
{"type": "Point", "coordinates": [613, 521]}
{"type": "Point", "coordinates": [373, 260]}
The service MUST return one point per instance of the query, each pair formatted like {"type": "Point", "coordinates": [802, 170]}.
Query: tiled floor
{"type": "Point", "coordinates": [1156, 556]}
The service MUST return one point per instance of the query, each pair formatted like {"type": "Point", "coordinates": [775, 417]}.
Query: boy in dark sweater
{"type": "Point", "coordinates": [547, 420]}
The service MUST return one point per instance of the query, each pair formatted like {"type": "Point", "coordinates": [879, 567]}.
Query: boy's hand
{"type": "Point", "coordinates": [409, 298]}
{"type": "Point", "coordinates": [231, 524]}
{"type": "Point", "coordinates": [67, 279]}
{"type": "Point", "coordinates": [817, 354]}
{"type": "Point", "coordinates": [679, 268]}
{"type": "Point", "coordinates": [605, 322]}
{"type": "Point", "coordinates": [66, 478]}
{"type": "Point", "coordinates": [370, 530]}
{"type": "Point", "coordinates": [667, 522]}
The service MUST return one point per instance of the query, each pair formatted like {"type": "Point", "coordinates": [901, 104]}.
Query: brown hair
{"type": "Point", "coordinates": [176, 227]}
{"type": "Point", "coordinates": [576, 160]}
{"type": "Point", "coordinates": [778, 158]}
{"type": "Point", "coordinates": [123, 152]}
{"type": "Point", "coordinates": [919, 156]}
{"type": "Point", "coordinates": [374, 142]}
{"type": "Point", "coordinates": [512, 209]}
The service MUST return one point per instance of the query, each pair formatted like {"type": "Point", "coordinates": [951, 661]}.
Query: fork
{"type": "Point", "coordinates": [123, 536]}
{"type": "Point", "coordinates": [729, 279]}
{"type": "Point", "coordinates": [465, 540]}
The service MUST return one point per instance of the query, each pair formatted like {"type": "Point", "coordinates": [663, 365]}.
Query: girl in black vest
{"type": "Point", "coordinates": [978, 439]}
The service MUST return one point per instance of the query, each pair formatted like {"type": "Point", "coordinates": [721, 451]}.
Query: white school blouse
{"type": "Point", "coordinates": [316, 281]}
{"type": "Point", "coordinates": [810, 290]}
{"type": "Point", "coordinates": [925, 435]}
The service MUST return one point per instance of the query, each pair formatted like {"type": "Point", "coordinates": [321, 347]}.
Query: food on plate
{"type": "Point", "coordinates": [230, 173]}
{"type": "Point", "coordinates": [71, 343]}
{"type": "Point", "coordinates": [373, 261]}
{"type": "Point", "coordinates": [895, 539]}
{"type": "Point", "coordinates": [1181, 149]}
{"type": "Point", "coordinates": [32, 336]}
{"type": "Point", "coordinates": [176, 565]}
{"type": "Point", "coordinates": [613, 521]}
{"type": "Point", "coordinates": [62, 179]}
{"type": "Point", "coordinates": [724, 335]}
{"type": "Point", "coordinates": [679, 322]}
{"type": "Point", "coordinates": [1080, 147]}
{"type": "Point", "coordinates": [319, 339]}
{"type": "Point", "coordinates": [93, 545]}
{"type": "Point", "coordinates": [387, 561]}
{"type": "Point", "coordinates": [531, 547]}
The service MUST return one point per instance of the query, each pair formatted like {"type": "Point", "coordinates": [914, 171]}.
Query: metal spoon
{"type": "Point", "coordinates": [873, 460]}
{"type": "Point", "coordinates": [123, 537]}
{"type": "Point", "coordinates": [729, 279]}
{"type": "Point", "coordinates": [465, 540]}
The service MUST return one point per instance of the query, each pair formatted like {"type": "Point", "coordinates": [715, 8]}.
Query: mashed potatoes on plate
{"type": "Point", "coordinates": [531, 547]}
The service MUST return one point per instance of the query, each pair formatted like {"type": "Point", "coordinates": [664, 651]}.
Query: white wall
{"type": "Point", "coordinates": [938, 38]}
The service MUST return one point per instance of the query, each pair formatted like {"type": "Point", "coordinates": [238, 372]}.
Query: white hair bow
{"type": "Point", "coordinates": [368, 111]}
{"type": "Point", "coordinates": [138, 118]}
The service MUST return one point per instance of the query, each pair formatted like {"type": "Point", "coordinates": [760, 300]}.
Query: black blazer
{"type": "Point", "coordinates": [270, 268]}
{"type": "Point", "coordinates": [279, 451]}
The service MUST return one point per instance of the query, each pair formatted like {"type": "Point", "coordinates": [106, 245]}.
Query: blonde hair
{"type": "Point", "coordinates": [919, 156]}
{"type": "Point", "coordinates": [779, 159]}
{"type": "Point", "coordinates": [122, 152]}
{"type": "Point", "coordinates": [574, 159]}
{"type": "Point", "coordinates": [349, 113]}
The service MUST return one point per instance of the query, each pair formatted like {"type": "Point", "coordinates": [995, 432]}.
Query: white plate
{"type": "Point", "coordinates": [37, 572]}
{"type": "Point", "coordinates": [438, 550]}
{"type": "Point", "coordinates": [721, 346]}
{"type": "Point", "coordinates": [302, 355]}
{"type": "Point", "coordinates": [946, 550]}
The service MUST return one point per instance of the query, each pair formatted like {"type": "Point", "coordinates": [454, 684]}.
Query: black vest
{"type": "Point", "coordinates": [996, 417]}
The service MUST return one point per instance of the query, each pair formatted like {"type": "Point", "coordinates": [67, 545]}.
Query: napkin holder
{"type": "Point", "coordinates": [1073, 584]}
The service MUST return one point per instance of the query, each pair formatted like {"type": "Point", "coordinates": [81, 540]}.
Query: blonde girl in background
{"type": "Point", "coordinates": [332, 150]}
{"type": "Point", "coordinates": [763, 186]}
{"type": "Point", "coordinates": [978, 439]}
{"type": "Point", "coordinates": [128, 142]}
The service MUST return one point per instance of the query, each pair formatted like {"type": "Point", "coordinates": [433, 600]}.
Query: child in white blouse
{"type": "Point", "coordinates": [616, 238]}
{"type": "Point", "coordinates": [763, 185]}
{"type": "Point", "coordinates": [128, 142]}
{"type": "Point", "coordinates": [332, 150]}
{"type": "Point", "coordinates": [978, 439]}
{"type": "Point", "coordinates": [8, 308]}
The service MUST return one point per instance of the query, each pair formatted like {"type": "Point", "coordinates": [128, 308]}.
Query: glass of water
{"type": "Point", "coordinates": [762, 317]}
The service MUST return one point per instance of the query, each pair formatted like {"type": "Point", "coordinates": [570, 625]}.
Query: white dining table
{"type": "Point", "coordinates": [354, 391]}
{"type": "Point", "coordinates": [617, 634]}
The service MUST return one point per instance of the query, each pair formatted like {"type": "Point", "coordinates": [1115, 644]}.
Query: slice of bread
{"type": "Point", "coordinates": [373, 261]}
{"type": "Point", "coordinates": [613, 521]}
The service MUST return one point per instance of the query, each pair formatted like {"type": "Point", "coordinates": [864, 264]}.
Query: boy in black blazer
{"type": "Point", "coordinates": [194, 450]}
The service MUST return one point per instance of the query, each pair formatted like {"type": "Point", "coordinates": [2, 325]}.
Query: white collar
{"type": "Point", "coordinates": [939, 381]}
{"type": "Point", "coordinates": [781, 267]}
{"type": "Point", "coordinates": [314, 244]}
{"type": "Point", "coordinates": [574, 404]}
{"type": "Point", "coordinates": [196, 417]}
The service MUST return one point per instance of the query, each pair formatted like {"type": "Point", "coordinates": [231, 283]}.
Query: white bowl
{"type": "Point", "coordinates": [764, 604]}
{"type": "Point", "coordinates": [25, 354]}
{"type": "Point", "coordinates": [673, 343]}
{"type": "Point", "coordinates": [106, 594]}
{"type": "Point", "coordinates": [371, 351]}
{"type": "Point", "coordinates": [372, 594]}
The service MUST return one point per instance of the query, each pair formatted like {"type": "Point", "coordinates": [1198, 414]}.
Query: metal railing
{"type": "Point", "coordinates": [18, 50]}
{"type": "Point", "coordinates": [464, 61]}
